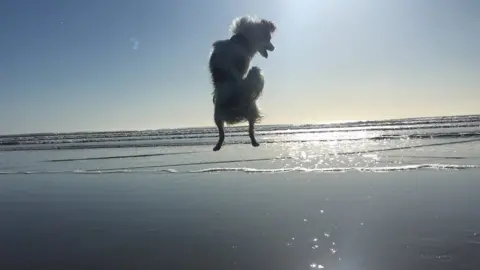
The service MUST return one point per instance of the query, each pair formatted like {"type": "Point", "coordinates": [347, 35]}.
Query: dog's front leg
{"type": "Point", "coordinates": [251, 133]}
{"type": "Point", "coordinates": [221, 135]}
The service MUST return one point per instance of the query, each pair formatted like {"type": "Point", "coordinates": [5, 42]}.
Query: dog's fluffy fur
{"type": "Point", "coordinates": [237, 86]}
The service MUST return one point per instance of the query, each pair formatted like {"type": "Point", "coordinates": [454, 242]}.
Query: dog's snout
{"type": "Point", "coordinates": [270, 47]}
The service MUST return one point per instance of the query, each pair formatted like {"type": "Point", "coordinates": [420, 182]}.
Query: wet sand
{"type": "Point", "coordinates": [350, 221]}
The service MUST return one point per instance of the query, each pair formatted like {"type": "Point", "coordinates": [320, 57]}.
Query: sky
{"type": "Point", "coordinates": [126, 65]}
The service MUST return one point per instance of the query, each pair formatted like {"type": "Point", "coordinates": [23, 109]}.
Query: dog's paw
{"type": "Point", "coordinates": [255, 144]}
{"type": "Point", "coordinates": [217, 147]}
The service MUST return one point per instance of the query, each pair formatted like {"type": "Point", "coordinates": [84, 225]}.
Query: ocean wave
{"type": "Point", "coordinates": [120, 157]}
{"type": "Point", "coordinates": [344, 169]}
{"type": "Point", "coordinates": [359, 152]}
{"type": "Point", "coordinates": [411, 167]}
{"type": "Point", "coordinates": [382, 125]}
{"type": "Point", "coordinates": [232, 141]}
{"type": "Point", "coordinates": [106, 171]}
{"type": "Point", "coordinates": [451, 121]}
{"type": "Point", "coordinates": [415, 128]}
{"type": "Point", "coordinates": [210, 133]}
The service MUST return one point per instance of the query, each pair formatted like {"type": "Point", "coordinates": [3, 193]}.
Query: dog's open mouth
{"type": "Point", "coordinates": [264, 51]}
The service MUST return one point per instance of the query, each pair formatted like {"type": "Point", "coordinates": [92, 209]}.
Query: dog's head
{"type": "Point", "coordinates": [257, 31]}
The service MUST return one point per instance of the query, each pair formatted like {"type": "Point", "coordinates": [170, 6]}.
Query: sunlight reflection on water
{"type": "Point", "coordinates": [326, 136]}
{"type": "Point", "coordinates": [307, 152]}
{"type": "Point", "coordinates": [314, 155]}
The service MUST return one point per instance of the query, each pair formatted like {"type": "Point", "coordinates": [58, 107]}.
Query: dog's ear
{"type": "Point", "coordinates": [270, 25]}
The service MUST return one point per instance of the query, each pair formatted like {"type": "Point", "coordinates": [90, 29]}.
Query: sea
{"type": "Point", "coordinates": [389, 194]}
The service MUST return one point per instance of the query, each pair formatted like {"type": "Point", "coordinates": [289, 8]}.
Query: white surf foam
{"type": "Point", "coordinates": [344, 169]}
{"type": "Point", "coordinates": [450, 167]}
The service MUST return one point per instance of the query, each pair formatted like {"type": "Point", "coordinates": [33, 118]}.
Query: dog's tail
{"type": "Point", "coordinates": [236, 101]}
{"type": "Point", "coordinates": [253, 84]}
{"type": "Point", "coordinates": [244, 92]}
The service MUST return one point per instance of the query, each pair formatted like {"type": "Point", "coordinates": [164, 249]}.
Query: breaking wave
{"type": "Point", "coordinates": [345, 169]}
{"type": "Point", "coordinates": [448, 167]}
{"type": "Point", "coordinates": [414, 128]}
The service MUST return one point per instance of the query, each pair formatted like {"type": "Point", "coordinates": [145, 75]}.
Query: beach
{"type": "Point", "coordinates": [368, 195]}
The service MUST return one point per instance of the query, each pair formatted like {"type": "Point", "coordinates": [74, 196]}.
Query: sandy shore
{"type": "Point", "coordinates": [399, 220]}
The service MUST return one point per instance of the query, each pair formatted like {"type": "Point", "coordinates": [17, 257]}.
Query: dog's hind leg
{"type": "Point", "coordinates": [254, 83]}
{"type": "Point", "coordinates": [251, 133]}
{"type": "Point", "coordinates": [221, 134]}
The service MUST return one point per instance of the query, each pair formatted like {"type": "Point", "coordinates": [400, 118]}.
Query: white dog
{"type": "Point", "coordinates": [237, 86]}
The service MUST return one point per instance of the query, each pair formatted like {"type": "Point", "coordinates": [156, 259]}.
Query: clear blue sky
{"type": "Point", "coordinates": [109, 64]}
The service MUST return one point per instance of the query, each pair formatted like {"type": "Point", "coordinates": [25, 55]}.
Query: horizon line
{"type": "Point", "coordinates": [228, 127]}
